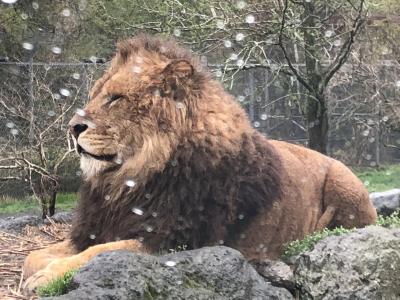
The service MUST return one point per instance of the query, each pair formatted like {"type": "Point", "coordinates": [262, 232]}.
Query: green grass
{"type": "Point", "coordinates": [58, 286]}
{"type": "Point", "coordinates": [65, 201]}
{"type": "Point", "coordinates": [381, 179]}
{"type": "Point", "coordinates": [308, 243]}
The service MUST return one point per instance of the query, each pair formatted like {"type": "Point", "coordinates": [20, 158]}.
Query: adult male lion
{"type": "Point", "coordinates": [169, 158]}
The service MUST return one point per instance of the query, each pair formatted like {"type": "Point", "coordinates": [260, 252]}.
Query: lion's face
{"type": "Point", "coordinates": [133, 110]}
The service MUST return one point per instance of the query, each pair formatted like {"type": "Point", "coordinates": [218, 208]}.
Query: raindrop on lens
{"type": "Point", "coordinates": [233, 56]}
{"type": "Point", "coordinates": [240, 98]}
{"type": "Point", "coordinates": [240, 62]}
{"type": "Point", "coordinates": [337, 43]}
{"type": "Point", "coordinates": [177, 32]}
{"type": "Point", "coordinates": [107, 197]}
{"type": "Point", "coordinates": [256, 124]}
{"type": "Point", "coordinates": [65, 92]}
{"type": "Point", "coordinates": [250, 19]}
{"type": "Point", "coordinates": [240, 4]}
{"type": "Point", "coordinates": [174, 163]}
{"type": "Point", "coordinates": [51, 113]}
{"type": "Point", "coordinates": [147, 196]}
{"type": "Point", "coordinates": [218, 73]}
{"type": "Point", "coordinates": [398, 83]}
{"type": "Point", "coordinates": [66, 12]}
{"type": "Point", "coordinates": [329, 33]}
{"type": "Point", "coordinates": [56, 50]}
{"type": "Point", "coordinates": [10, 125]}
{"type": "Point", "coordinates": [154, 214]}
{"type": "Point", "coordinates": [365, 133]}
{"type": "Point", "coordinates": [57, 96]}
{"type": "Point", "coordinates": [14, 131]}
{"type": "Point", "coordinates": [92, 236]}
{"type": "Point", "coordinates": [149, 228]}
{"type": "Point", "coordinates": [9, 1]}
{"type": "Point", "coordinates": [24, 16]}
{"type": "Point", "coordinates": [180, 105]}
{"type": "Point", "coordinates": [136, 69]}
{"type": "Point", "coordinates": [170, 263]}
{"type": "Point", "coordinates": [368, 157]}
{"type": "Point", "coordinates": [137, 211]}
{"type": "Point", "coordinates": [263, 117]}
{"type": "Point", "coordinates": [80, 112]}
{"type": "Point", "coordinates": [27, 46]}
{"type": "Point", "coordinates": [239, 37]}
{"type": "Point", "coordinates": [76, 76]}
{"type": "Point", "coordinates": [373, 164]}
{"type": "Point", "coordinates": [385, 119]}
{"type": "Point", "coordinates": [130, 183]}
{"type": "Point", "coordinates": [35, 5]}
{"type": "Point", "coordinates": [241, 217]}
{"type": "Point", "coordinates": [220, 24]}
{"type": "Point", "coordinates": [227, 43]}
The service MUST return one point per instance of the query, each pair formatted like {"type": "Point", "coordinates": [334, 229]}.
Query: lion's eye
{"type": "Point", "coordinates": [114, 97]}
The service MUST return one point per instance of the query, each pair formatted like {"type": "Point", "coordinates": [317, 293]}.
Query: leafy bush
{"type": "Point", "coordinates": [392, 221]}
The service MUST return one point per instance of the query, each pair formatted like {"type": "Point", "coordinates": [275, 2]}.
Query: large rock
{"type": "Point", "coordinates": [386, 202]}
{"type": "Point", "coordinates": [206, 273]}
{"type": "Point", "coordinates": [364, 264]}
{"type": "Point", "coordinates": [17, 223]}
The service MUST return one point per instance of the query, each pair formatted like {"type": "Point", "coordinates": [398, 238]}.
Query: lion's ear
{"type": "Point", "coordinates": [178, 69]}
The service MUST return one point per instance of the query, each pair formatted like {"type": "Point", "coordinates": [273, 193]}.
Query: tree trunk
{"type": "Point", "coordinates": [52, 203]}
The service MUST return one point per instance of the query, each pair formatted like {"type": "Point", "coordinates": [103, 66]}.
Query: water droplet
{"type": "Point", "coordinates": [92, 236]}
{"type": "Point", "coordinates": [170, 263]}
{"type": "Point", "coordinates": [256, 124]}
{"type": "Point", "coordinates": [51, 113]}
{"type": "Point", "coordinates": [241, 217]}
{"type": "Point", "coordinates": [137, 211]}
{"type": "Point", "coordinates": [35, 5]}
{"type": "Point", "coordinates": [149, 228]}
{"type": "Point", "coordinates": [308, 1]}
{"type": "Point", "coordinates": [93, 59]}
{"type": "Point", "coordinates": [365, 133]}
{"type": "Point", "coordinates": [233, 56]}
{"type": "Point", "coordinates": [66, 12]}
{"type": "Point", "coordinates": [240, 62]}
{"type": "Point", "coordinates": [10, 124]}
{"type": "Point", "coordinates": [371, 139]}
{"type": "Point", "coordinates": [156, 93]}
{"type": "Point", "coordinates": [337, 43]}
{"type": "Point", "coordinates": [221, 242]}
{"type": "Point", "coordinates": [9, 1]}
{"type": "Point", "coordinates": [398, 83]}
{"type": "Point", "coordinates": [56, 50]}
{"type": "Point", "coordinates": [240, 4]}
{"type": "Point", "coordinates": [139, 59]}
{"type": "Point", "coordinates": [27, 46]}
{"type": "Point", "coordinates": [57, 96]}
{"type": "Point", "coordinates": [366, 183]}
{"type": "Point", "coordinates": [78, 173]}
{"type": "Point", "coordinates": [263, 117]}
{"type": "Point", "coordinates": [351, 217]}
{"type": "Point", "coordinates": [174, 162]}
{"type": "Point", "coordinates": [373, 164]}
{"type": "Point", "coordinates": [14, 131]}
{"type": "Point", "coordinates": [107, 197]}
{"type": "Point", "coordinates": [24, 16]}
{"type": "Point", "coordinates": [147, 196]}
{"type": "Point", "coordinates": [65, 92]}
{"type": "Point", "coordinates": [136, 69]}
{"type": "Point", "coordinates": [180, 105]}
{"type": "Point", "coordinates": [329, 33]}
{"type": "Point", "coordinates": [220, 24]}
{"type": "Point", "coordinates": [218, 73]}
{"type": "Point", "coordinates": [80, 112]}
{"type": "Point", "coordinates": [368, 157]}
{"type": "Point", "coordinates": [118, 161]}
{"type": "Point", "coordinates": [177, 32]}
{"type": "Point", "coordinates": [385, 119]}
{"type": "Point", "coordinates": [130, 183]}
{"type": "Point", "coordinates": [76, 76]}
{"type": "Point", "coordinates": [250, 19]}
{"type": "Point", "coordinates": [227, 43]}
{"type": "Point", "coordinates": [241, 98]}
{"type": "Point", "coordinates": [154, 214]}
{"type": "Point", "coordinates": [239, 37]}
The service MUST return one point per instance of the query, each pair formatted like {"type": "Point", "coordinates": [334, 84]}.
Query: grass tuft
{"type": "Point", "coordinates": [299, 246]}
{"type": "Point", "coordinates": [58, 286]}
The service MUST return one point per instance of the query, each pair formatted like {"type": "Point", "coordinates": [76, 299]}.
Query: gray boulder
{"type": "Point", "coordinates": [386, 202]}
{"type": "Point", "coordinates": [364, 264]}
{"type": "Point", "coordinates": [17, 223]}
{"type": "Point", "coordinates": [276, 272]}
{"type": "Point", "coordinates": [206, 273]}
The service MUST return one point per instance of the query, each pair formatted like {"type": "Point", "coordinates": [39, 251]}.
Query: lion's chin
{"type": "Point", "coordinates": [92, 167]}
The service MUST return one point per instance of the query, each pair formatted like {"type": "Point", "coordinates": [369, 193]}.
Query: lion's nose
{"type": "Point", "coordinates": [77, 126]}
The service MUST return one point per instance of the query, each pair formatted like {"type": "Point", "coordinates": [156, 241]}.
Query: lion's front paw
{"type": "Point", "coordinates": [38, 279]}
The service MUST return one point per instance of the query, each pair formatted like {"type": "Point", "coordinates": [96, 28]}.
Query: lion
{"type": "Point", "coordinates": [170, 159]}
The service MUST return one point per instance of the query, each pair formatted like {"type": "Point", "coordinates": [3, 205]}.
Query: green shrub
{"type": "Point", "coordinates": [392, 221]}
{"type": "Point", "coordinates": [58, 286]}
{"type": "Point", "coordinates": [306, 244]}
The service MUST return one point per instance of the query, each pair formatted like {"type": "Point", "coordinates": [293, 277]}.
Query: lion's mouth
{"type": "Point", "coordinates": [105, 157]}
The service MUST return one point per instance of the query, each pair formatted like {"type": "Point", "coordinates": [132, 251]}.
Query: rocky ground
{"type": "Point", "coordinates": [363, 264]}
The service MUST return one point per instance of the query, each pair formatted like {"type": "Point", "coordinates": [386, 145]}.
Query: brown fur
{"type": "Point", "coordinates": [203, 175]}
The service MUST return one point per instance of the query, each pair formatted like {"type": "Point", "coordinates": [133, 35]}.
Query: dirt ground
{"type": "Point", "coordinates": [14, 247]}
